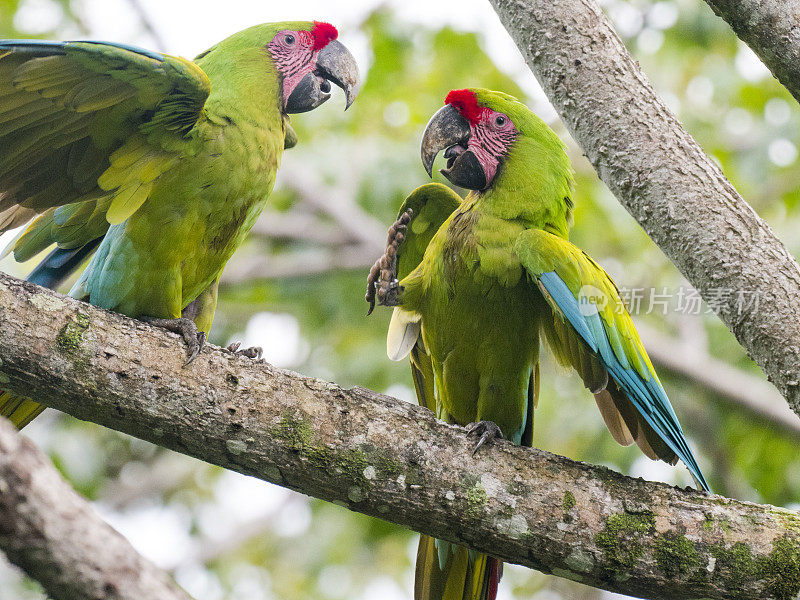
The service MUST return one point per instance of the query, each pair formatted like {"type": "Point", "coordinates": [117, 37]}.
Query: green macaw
{"type": "Point", "coordinates": [482, 280]}
{"type": "Point", "coordinates": [157, 165]}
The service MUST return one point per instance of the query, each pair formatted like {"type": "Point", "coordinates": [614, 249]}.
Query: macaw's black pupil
{"type": "Point", "coordinates": [289, 39]}
{"type": "Point", "coordinates": [500, 121]}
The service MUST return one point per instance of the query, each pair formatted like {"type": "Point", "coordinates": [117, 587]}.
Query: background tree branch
{"type": "Point", "coordinates": [772, 30]}
{"type": "Point", "coordinates": [393, 460]}
{"type": "Point", "coordinates": [661, 175]}
{"type": "Point", "coordinates": [743, 390]}
{"type": "Point", "coordinates": [56, 537]}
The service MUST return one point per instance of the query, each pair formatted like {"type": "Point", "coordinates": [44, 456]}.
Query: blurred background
{"type": "Point", "coordinates": [297, 286]}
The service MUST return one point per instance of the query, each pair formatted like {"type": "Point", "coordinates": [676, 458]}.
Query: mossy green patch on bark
{"type": "Point", "coordinates": [476, 499]}
{"type": "Point", "coordinates": [359, 465]}
{"type": "Point", "coordinates": [569, 501]}
{"type": "Point", "coordinates": [71, 335]}
{"type": "Point", "coordinates": [780, 570]}
{"type": "Point", "coordinates": [789, 519]}
{"type": "Point", "coordinates": [621, 540]}
{"type": "Point", "coordinates": [295, 431]}
{"type": "Point", "coordinates": [735, 562]}
{"type": "Point", "coordinates": [675, 554]}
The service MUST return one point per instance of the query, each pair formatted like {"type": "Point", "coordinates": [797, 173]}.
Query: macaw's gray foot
{"type": "Point", "coordinates": [488, 430]}
{"type": "Point", "coordinates": [254, 352]}
{"type": "Point", "coordinates": [382, 280]}
{"type": "Point", "coordinates": [195, 340]}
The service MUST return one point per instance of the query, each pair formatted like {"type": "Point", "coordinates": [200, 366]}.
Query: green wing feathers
{"type": "Point", "coordinates": [85, 130]}
{"type": "Point", "coordinates": [591, 330]}
{"type": "Point", "coordinates": [431, 204]}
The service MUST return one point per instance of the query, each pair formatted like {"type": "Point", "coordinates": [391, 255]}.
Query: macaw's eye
{"type": "Point", "coordinates": [500, 120]}
{"type": "Point", "coordinates": [288, 39]}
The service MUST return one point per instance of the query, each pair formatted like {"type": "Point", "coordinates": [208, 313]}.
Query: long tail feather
{"type": "Point", "coordinates": [60, 264]}
{"type": "Point", "coordinates": [446, 571]}
{"type": "Point", "coordinates": [18, 409]}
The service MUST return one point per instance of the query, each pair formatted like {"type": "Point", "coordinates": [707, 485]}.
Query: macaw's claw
{"type": "Point", "coordinates": [195, 340]}
{"type": "Point", "coordinates": [382, 281]}
{"type": "Point", "coordinates": [255, 352]}
{"type": "Point", "coordinates": [488, 430]}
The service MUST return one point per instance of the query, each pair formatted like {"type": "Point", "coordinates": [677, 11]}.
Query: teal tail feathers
{"type": "Point", "coordinates": [60, 264]}
{"type": "Point", "coordinates": [446, 571]}
{"type": "Point", "coordinates": [18, 409]}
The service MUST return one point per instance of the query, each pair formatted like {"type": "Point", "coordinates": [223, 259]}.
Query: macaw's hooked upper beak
{"type": "Point", "coordinates": [448, 130]}
{"type": "Point", "coordinates": [335, 65]}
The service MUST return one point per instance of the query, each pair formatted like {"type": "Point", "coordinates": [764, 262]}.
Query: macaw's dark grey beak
{"type": "Point", "coordinates": [337, 65]}
{"type": "Point", "coordinates": [307, 95]}
{"type": "Point", "coordinates": [449, 131]}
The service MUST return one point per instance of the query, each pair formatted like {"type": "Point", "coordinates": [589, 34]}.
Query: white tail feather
{"type": "Point", "coordinates": [403, 333]}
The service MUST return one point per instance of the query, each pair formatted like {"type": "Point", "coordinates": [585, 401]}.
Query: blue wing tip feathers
{"type": "Point", "coordinates": [135, 49]}
{"type": "Point", "coordinates": [662, 418]}
{"type": "Point", "coordinates": [34, 46]}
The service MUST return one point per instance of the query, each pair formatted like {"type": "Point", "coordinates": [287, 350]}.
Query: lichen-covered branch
{"type": "Point", "coordinates": [655, 168]}
{"type": "Point", "coordinates": [55, 536]}
{"type": "Point", "coordinates": [389, 459]}
{"type": "Point", "coordinates": [772, 29]}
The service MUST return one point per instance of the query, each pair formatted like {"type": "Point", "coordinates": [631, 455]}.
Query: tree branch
{"type": "Point", "coordinates": [300, 226]}
{"type": "Point", "coordinates": [148, 25]}
{"type": "Point", "coordinates": [299, 264]}
{"type": "Point", "coordinates": [660, 174]}
{"type": "Point", "coordinates": [337, 204]}
{"type": "Point", "coordinates": [392, 460]}
{"type": "Point", "coordinates": [56, 537]}
{"type": "Point", "coordinates": [772, 29]}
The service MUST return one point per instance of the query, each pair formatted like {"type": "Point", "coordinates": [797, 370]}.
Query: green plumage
{"type": "Point", "coordinates": [497, 279]}
{"type": "Point", "coordinates": [171, 160]}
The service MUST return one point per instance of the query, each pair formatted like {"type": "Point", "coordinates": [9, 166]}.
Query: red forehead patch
{"type": "Point", "coordinates": [323, 34]}
{"type": "Point", "coordinates": [466, 103]}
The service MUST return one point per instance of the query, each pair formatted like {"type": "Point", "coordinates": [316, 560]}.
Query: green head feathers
{"type": "Point", "coordinates": [303, 57]}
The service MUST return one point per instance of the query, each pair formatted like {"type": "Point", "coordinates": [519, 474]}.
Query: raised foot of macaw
{"type": "Point", "coordinates": [195, 340]}
{"type": "Point", "coordinates": [254, 352]}
{"type": "Point", "coordinates": [488, 430]}
{"type": "Point", "coordinates": [382, 280]}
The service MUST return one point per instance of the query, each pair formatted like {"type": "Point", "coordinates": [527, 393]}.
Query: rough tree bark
{"type": "Point", "coordinates": [660, 174]}
{"type": "Point", "coordinates": [57, 538]}
{"type": "Point", "coordinates": [772, 29]}
{"type": "Point", "coordinates": [392, 460]}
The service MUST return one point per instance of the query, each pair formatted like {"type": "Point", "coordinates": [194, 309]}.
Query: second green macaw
{"type": "Point", "coordinates": [478, 282]}
{"type": "Point", "coordinates": [157, 165]}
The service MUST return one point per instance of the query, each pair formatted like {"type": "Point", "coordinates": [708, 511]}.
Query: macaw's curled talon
{"type": "Point", "coordinates": [254, 352]}
{"type": "Point", "coordinates": [382, 280]}
{"type": "Point", "coordinates": [488, 430]}
{"type": "Point", "coordinates": [186, 328]}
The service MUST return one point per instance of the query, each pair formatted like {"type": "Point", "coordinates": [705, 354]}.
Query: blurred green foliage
{"type": "Point", "coordinates": [309, 549]}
